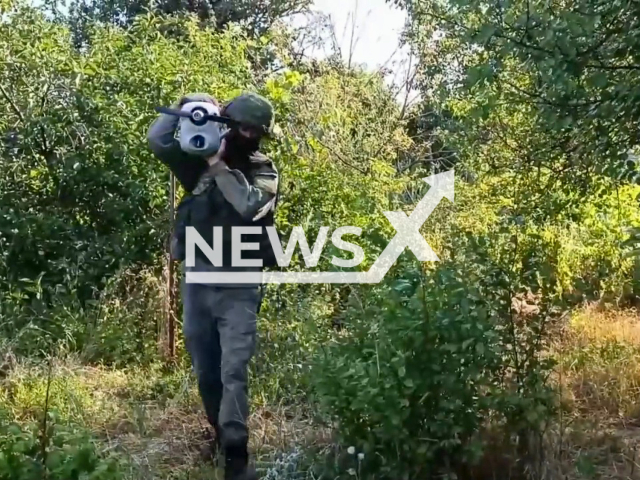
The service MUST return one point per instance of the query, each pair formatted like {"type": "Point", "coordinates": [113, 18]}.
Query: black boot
{"type": "Point", "coordinates": [236, 464]}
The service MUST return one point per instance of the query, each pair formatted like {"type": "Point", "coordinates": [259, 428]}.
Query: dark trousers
{"type": "Point", "coordinates": [220, 335]}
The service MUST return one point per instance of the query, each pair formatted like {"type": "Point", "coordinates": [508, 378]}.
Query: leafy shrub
{"type": "Point", "coordinates": [57, 452]}
{"type": "Point", "coordinates": [116, 328]}
{"type": "Point", "coordinates": [429, 361]}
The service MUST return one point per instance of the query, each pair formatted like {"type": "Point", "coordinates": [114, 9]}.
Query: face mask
{"type": "Point", "coordinates": [240, 146]}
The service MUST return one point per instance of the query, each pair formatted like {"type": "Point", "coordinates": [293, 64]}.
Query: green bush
{"type": "Point", "coordinates": [430, 361]}
{"type": "Point", "coordinates": [116, 328]}
{"type": "Point", "coordinates": [57, 452]}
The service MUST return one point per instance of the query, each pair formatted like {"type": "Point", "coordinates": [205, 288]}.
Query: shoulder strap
{"type": "Point", "coordinates": [257, 159]}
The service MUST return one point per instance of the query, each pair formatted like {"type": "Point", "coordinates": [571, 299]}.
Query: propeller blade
{"type": "Point", "coordinates": [211, 118]}
{"type": "Point", "coordinates": [219, 119]}
{"type": "Point", "coordinates": [171, 111]}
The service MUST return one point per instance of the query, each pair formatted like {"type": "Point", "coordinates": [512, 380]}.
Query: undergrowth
{"type": "Point", "coordinates": [146, 422]}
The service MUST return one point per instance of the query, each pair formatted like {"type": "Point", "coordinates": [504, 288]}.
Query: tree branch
{"type": "Point", "coordinates": [13, 106]}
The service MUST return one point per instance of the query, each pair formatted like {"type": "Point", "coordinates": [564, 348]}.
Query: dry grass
{"type": "Point", "coordinates": [599, 368]}
{"type": "Point", "coordinates": [598, 434]}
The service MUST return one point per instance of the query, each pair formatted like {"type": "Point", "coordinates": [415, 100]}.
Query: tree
{"type": "Point", "coordinates": [574, 68]}
{"type": "Point", "coordinates": [256, 16]}
{"type": "Point", "coordinates": [538, 101]}
{"type": "Point", "coordinates": [81, 196]}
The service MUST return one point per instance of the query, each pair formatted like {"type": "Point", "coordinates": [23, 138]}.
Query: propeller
{"type": "Point", "coordinates": [198, 116]}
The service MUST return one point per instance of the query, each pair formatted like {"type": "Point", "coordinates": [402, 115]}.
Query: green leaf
{"type": "Point", "coordinates": [599, 79]}
{"type": "Point", "coordinates": [485, 33]}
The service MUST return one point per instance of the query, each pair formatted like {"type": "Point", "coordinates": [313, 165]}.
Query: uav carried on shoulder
{"type": "Point", "coordinates": [201, 127]}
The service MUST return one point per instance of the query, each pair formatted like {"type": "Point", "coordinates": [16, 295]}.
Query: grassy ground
{"type": "Point", "coordinates": [598, 433]}
{"type": "Point", "coordinates": [153, 416]}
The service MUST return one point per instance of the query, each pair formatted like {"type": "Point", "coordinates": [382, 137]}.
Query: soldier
{"type": "Point", "coordinates": [237, 187]}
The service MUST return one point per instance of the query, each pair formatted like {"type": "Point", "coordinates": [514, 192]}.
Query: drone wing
{"type": "Point", "coordinates": [225, 120]}
{"type": "Point", "coordinates": [173, 111]}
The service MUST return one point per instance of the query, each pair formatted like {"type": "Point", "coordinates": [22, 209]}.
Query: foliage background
{"type": "Point", "coordinates": [531, 103]}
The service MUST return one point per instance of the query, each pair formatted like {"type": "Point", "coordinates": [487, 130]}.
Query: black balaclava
{"type": "Point", "coordinates": [239, 147]}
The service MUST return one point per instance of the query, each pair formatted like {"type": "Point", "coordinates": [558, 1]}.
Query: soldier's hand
{"type": "Point", "coordinates": [219, 154]}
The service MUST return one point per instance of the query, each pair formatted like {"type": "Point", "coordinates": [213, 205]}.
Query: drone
{"type": "Point", "coordinates": [199, 116]}
{"type": "Point", "coordinates": [201, 127]}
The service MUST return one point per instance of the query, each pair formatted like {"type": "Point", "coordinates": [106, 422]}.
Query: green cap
{"type": "Point", "coordinates": [252, 110]}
